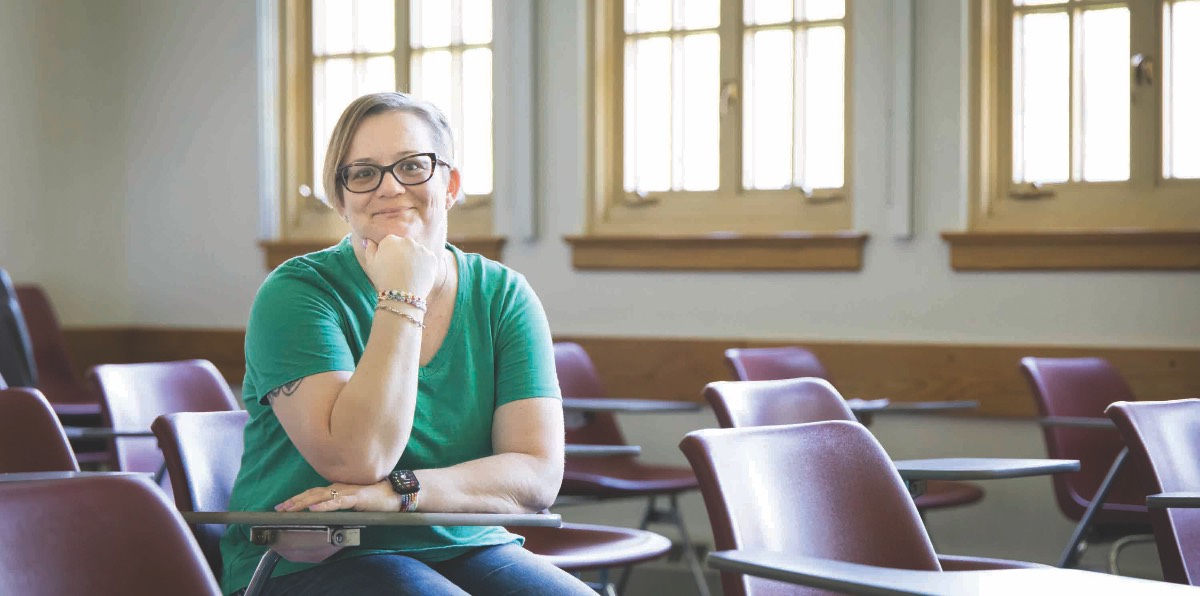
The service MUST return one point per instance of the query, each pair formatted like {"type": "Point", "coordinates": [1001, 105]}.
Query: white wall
{"type": "Point", "coordinates": [19, 141]}
{"type": "Point", "coordinates": [192, 165]}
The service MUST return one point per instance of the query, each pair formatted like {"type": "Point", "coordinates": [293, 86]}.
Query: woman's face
{"type": "Point", "coordinates": [417, 212]}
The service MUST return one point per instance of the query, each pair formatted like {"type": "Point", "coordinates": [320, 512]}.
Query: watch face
{"type": "Point", "coordinates": [404, 482]}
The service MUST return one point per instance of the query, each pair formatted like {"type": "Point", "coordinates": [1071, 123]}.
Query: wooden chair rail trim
{"type": "Point", "coordinates": [1115, 250]}
{"type": "Point", "coordinates": [837, 251]}
{"type": "Point", "coordinates": [668, 368]}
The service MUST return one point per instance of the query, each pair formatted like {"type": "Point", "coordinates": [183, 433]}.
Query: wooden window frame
{"type": "Point", "coordinates": [752, 223]}
{"type": "Point", "coordinates": [1145, 223]}
{"type": "Point", "coordinates": [303, 220]}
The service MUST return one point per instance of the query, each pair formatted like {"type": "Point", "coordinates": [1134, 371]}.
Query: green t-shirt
{"type": "Point", "coordinates": [313, 314]}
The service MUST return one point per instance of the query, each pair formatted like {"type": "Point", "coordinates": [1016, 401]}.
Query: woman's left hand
{"type": "Point", "coordinates": [371, 497]}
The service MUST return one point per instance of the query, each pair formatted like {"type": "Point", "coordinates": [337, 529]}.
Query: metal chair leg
{"type": "Point", "coordinates": [1071, 554]}
{"type": "Point", "coordinates": [1122, 542]}
{"type": "Point", "coordinates": [689, 550]}
{"type": "Point", "coordinates": [262, 573]}
{"type": "Point", "coordinates": [671, 516]}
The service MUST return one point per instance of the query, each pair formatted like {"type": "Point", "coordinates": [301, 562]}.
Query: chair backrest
{"type": "Point", "coordinates": [1164, 437]}
{"type": "Point", "coordinates": [203, 452]}
{"type": "Point", "coordinates": [770, 364]}
{"type": "Point", "coordinates": [577, 377]}
{"type": "Point", "coordinates": [31, 438]}
{"type": "Point", "coordinates": [788, 401]}
{"type": "Point", "coordinates": [1085, 387]}
{"type": "Point", "coordinates": [16, 351]}
{"type": "Point", "coordinates": [102, 536]}
{"type": "Point", "coordinates": [133, 395]}
{"type": "Point", "coordinates": [823, 489]}
{"type": "Point", "coordinates": [56, 376]}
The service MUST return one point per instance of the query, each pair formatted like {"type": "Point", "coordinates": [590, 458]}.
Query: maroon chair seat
{"type": "Point", "coordinates": [587, 547]}
{"type": "Point", "coordinates": [822, 489]}
{"type": "Point", "coordinates": [101, 536]}
{"type": "Point", "coordinates": [1084, 387]}
{"type": "Point", "coordinates": [31, 438]}
{"type": "Point", "coordinates": [1164, 440]}
{"type": "Point", "coordinates": [792, 362]}
{"type": "Point", "coordinates": [133, 395]}
{"type": "Point", "coordinates": [203, 451]}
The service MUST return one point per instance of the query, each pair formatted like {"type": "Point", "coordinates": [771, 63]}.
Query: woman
{"type": "Point", "coordinates": [393, 372]}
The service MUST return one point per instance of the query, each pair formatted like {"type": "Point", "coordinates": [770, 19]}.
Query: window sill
{"type": "Point", "coordinates": [1115, 250]}
{"type": "Point", "coordinates": [840, 251]}
{"type": "Point", "coordinates": [278, 251]}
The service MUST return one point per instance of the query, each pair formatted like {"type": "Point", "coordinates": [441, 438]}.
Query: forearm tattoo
{"type": "Point", "coordinates": [284, 389]}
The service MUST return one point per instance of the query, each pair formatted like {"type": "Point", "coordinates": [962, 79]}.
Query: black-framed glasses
{"type": "Point", "coordinates": [410, 171]}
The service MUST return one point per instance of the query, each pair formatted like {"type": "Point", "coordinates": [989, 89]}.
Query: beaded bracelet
{"type": "Point", "coordinates": [414, 320]}
{"type": "Point", "coordinates": [405, 297]}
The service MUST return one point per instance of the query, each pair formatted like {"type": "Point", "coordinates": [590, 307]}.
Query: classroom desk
{"type": "Point", "coordinates": [580, 450]}
{"type": "Point", "coordinates": [627, 405]}
{"type": "Point", "coordinates": [311, 537]}
{"type": "Point", "coordinates": [915, 472]}
{"type": "Point", "coordinates": [886, 406]}
{"type": "Point", "coordinates": [370, 518]}
{"type": "Point", "coordinates": [854, 578]}
{"type": "Point", "coordinates": [1077, 422]}
{"type": "Point", "coordinates": [866, 409]}
{"type": "Point", "coordinates": [1189, 500]}
{"type": "Point", "coordinates": [100, 432]}
{"type": "Point", "coordinates": [31, 476]}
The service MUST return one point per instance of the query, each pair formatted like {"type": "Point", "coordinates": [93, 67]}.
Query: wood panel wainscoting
{"type": "Point", "coordinates": [678, 368]}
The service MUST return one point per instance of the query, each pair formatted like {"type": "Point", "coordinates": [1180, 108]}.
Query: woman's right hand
{"type": "Point", "coordinates": [402, 264]}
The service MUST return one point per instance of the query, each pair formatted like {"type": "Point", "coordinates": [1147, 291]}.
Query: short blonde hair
{"type": "Point", "coordinates": [369, 105]}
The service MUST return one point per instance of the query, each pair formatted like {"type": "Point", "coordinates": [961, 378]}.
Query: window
{"type": "Point", "coordinates": [719, 116]}
{"type": "Point", "coordinates": [336, 50]}
{"type": "Point", "coordinates": [1084, 116]}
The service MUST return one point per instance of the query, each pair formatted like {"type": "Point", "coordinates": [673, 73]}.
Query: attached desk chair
{"type": "Point", "coordinates": [1164, 439]}
{"type": "Point", "coordinates": [31, 437]}
{"type": "Point", "coordinates": [791, 362]}
{"type": "Point", "coordinates": [16, 351]}
{"type": "Point", "coordinates": [133, 395]}
{"type": "Point", "coordinates": [51, 370]}
{"type": "Point", "coordinates": [203, 451]}
{"type": "Point", "coordinates": [620, 476]}
{"type": "Point", "coordinates": [97, 535]}
{"type": "Point", "coordinates": [824, 489]}
{"type": "Point", "coordinates": [1072, 390]}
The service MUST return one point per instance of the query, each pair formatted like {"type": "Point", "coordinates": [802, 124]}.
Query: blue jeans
{"type": "Point", "coordinates": [501, 570]}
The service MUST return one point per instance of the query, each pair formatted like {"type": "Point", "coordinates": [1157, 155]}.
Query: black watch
{"type": "Point", "coordinates": [404, 482]}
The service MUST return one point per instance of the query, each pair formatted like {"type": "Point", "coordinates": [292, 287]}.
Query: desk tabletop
{"type": "Point", "coordinates": [371, 518]}
{"type": "Point", "coordinates": [981, 468]}
{"type": "Point", "coordinates": [887, 406]}
{"type": "Point", "coordinates": [1077, 422]}
{"type": "Point", "coordinates": [30, 476]}
{"type": "Point", "coordinates": [581, 450]}
{"type": "Point", "coordinates": [855, 578]}
{"type": "Point", "coordinates": [1174, 499]}
{"type": "Point", "coordinates": [99, 432]}
{"type": "Point", "coordinates": [629, 405]}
